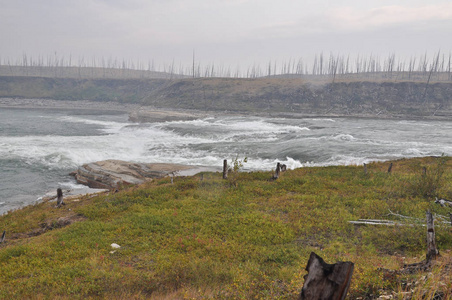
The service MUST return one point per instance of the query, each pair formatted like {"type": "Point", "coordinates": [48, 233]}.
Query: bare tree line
{"type": "Point", "coordinates": [323, 67]}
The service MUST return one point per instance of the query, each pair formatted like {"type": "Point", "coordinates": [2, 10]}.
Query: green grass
{"type": "Point", "coordinates": [250, 239]}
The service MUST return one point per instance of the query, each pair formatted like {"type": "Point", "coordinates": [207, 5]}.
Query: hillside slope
{"type": "Point", "coordinates": [270, 95]}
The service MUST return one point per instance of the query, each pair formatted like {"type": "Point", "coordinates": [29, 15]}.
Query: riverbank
{"type": "Point", "coordinates": [245, 237]}
{"type": "Point", "coordinates": [66, 104]}
{"type": "Point", "coordinates": [142, 113]}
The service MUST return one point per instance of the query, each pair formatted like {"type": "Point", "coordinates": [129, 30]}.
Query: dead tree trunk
{"type": "Point", "coordinates": [325, 281]}
{"type": "Point", "coordinates": [432, 251]}
{"type": "Point", "coordinates": [278, 170]}
{"type": "Point", "coordinates": [390, 168]}
{"type": "Point", "coordinates": [60, 197]}
{"type": "Point", "coordinates": [225, 169]}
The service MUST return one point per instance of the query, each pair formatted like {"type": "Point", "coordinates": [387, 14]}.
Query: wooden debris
{"type": "Point", "coordinates": [60, 197]}
{"type": "Point", "coordinates": [432, 251]}
{"type": "Point", "coordinates": [225, 169]}
{"type": "Point", "coordinates": [390, 168]}
{"type": "Point", "coordinates": [278, 170]}
{"type": "Point", "coordinates": [443, 202]}
{"type": "Point", "coordinates": [326, 281]}
{"type": "Point", "coordinates": [375, 222]}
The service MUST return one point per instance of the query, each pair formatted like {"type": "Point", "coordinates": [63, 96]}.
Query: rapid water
{"type": "Point", "coordinates": [39, 148]}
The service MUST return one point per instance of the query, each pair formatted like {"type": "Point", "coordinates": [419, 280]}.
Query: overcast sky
{"type": "Point", "coordinates": [225, 32]}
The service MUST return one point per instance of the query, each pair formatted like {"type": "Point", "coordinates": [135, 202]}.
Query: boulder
{"type": "Point", "coordinates": [114, 174]}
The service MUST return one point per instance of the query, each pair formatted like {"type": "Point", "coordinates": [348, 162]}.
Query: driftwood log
{"type": "Point", "coordinates": [443, 202]}
{"type": "Point", "coordinates": [326, 281]}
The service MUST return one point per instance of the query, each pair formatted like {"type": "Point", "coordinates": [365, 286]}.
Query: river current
{"type": "Point", "coordinates": [39, 148]}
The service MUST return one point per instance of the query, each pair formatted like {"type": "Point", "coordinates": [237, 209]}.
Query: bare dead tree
{"type": "Point", "coordinates": [434, 66]}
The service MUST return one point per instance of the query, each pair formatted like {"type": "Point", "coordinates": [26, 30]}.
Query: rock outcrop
{"type": "Point", "coordinates": [113, 174]}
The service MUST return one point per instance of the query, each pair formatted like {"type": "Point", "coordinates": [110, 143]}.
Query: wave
{"type": "Point", "coordinates": [321, 120]}
{"type": "Point", "coordinates": [210, 140]}
{"type": "Point", "coordinates": [344, 137]}
{"type": "Point", "coordinates": [109, 127]}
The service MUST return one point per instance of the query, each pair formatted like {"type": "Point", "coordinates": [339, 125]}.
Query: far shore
{"type": "Point", "coordinates": [66, 104]}
{"type": "Point", "coordinates": [185, 114]}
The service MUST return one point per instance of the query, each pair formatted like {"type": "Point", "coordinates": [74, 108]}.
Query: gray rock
{"type": "Point", "coordinates": [114, 174]}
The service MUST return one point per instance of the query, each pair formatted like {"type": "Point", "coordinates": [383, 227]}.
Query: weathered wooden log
{"type": "Point", "coordinates": [390, 168]}
{"type": "Point", "coordinates": [432, 251]}
{"type": "Point", "coordinates": [443, 202]}
{"type": "Point", "coordinates": [225, 169]}
{"type": "Point", "coordinates": [3, 236]}
{"type": "Point", "coordinates": [326, 281]}
{"type": "Point", "coordinates": [374, 222]}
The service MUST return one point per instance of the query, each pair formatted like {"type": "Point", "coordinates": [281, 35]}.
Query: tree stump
{"type": "Point", "coordinates": [326, 281]}
{"type": "Point", "coordinates": [60, 197]}
{"type": "Point", "coordinates": [278, 170]}
{"type": "Point", "coordinates": [390, 168]}
{"type": "Point", "coordinates": [225, 169]}
{"type": "Point", "coordinates": [432, 251]}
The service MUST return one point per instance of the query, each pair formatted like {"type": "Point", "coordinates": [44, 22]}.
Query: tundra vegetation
{"type": "Point", "coordinates": [203, 237]}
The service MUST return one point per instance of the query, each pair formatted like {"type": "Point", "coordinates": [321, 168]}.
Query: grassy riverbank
{"type": "Point", "coordinates": [242, 238]}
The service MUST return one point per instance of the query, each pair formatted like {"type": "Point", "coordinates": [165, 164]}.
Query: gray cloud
{"type": "Point", "coordinates": [226, 32]}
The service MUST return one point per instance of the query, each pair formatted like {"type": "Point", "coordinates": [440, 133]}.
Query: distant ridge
{"type": "Point", "coordinates": [380, 94]}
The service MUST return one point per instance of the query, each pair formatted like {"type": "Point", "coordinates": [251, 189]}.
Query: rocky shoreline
{"type": "Point", "coordinates": [111, 175]}
{"type": "Point", "coordinates": [115, 174]}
